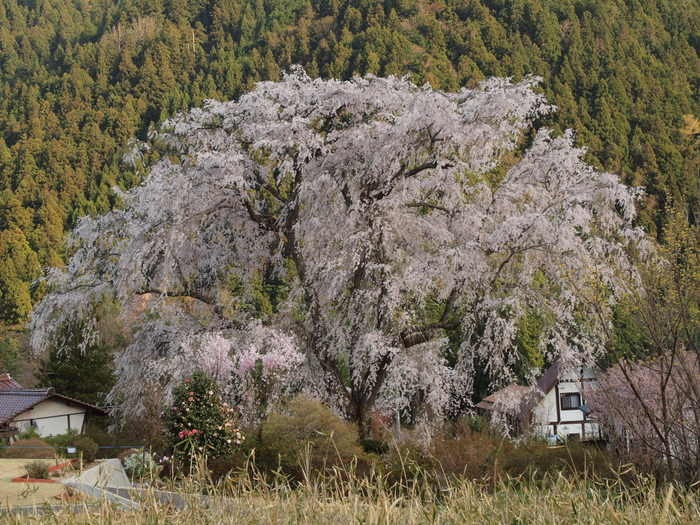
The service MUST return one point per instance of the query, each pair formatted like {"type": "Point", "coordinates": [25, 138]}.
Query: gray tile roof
{"type": "Point", "coordinates": [14, 402]}
{"type": "Point", "coordinates": [550, 377]}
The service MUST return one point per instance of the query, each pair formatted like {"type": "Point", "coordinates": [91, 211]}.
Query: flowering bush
{"type": "Point", "coordinates": [199, 421]}
{"type": "Point", "coordinates": [268, 370]}
{"type": "Point", "coordinates": [187, 433]}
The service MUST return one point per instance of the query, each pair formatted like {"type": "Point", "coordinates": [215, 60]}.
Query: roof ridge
{"type": "Point", "coordinates": [16, 391]}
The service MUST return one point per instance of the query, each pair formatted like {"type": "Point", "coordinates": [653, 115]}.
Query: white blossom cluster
{"type": "Point", "coordinates": [392, 213]}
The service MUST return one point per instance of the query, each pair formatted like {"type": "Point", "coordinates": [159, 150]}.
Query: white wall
{"type": "Point", "coordinates": [566, 388]}
{"type": "Point", "coordinates": [50, 418]}
{"type": "Point", "coordinates": [545, 412]}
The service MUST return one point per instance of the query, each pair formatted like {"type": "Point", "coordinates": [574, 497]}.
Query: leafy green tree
{"type": "Point", "coordinates": [530, 328]}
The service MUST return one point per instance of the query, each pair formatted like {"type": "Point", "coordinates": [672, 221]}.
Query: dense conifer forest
{"type": "Point", "coordinates": [80, 78]}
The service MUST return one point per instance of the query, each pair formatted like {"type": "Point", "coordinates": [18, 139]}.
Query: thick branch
{"type": "Point", "coordinates": [265, 221]}
{"type": "Point", "coordinates": [425, 333]}
{"type": "Point", "coordinates": [422, 204]}
{"type": "Point", "coordinates": [190, 295]}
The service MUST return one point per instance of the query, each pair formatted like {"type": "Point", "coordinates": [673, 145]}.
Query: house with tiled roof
{"type": "Point", "coordinates": [554, 408]}
{"type": "Point", "coordinates": [42, 409]}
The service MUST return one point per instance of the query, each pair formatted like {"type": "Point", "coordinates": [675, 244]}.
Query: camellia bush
{"type": "Point", "coordinates": [199, 421]}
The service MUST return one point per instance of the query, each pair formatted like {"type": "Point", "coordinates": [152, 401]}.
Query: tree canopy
{"type": "Point", "coordinates": [339, 232]}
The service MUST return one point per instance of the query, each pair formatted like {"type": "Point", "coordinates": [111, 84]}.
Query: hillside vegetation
{"type": "Point", "coordinates": [79, 78]}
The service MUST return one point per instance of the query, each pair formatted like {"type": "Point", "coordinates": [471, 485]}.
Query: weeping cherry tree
{"type": "Point", "coordinates": [338, 231]}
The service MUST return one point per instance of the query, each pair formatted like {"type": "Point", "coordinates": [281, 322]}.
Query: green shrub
{"type": "Point", "coordinates": [87, 446]}
{"type": "Point", "coordinates": [307, 434]}
{"type": "Point", "coordinates": [29, 433]}
{"type": "Point", "coordinates": [81, 443]}
{"type": "Point", "coordinates": [37, 470]}
{"type": "Point", "coordinates": [374, 446]}
{"type": "Point", "coordinates": [61, 441]}
{"type": "Point", "coordinates": [237, 461]}
{"type": "Point", "coordinates": [29, 449]}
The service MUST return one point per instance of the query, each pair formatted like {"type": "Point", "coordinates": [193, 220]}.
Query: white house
{"type": "Point", "coordinates": [554, 409]}
{"type": "Point", "coordinates": [43, 409]}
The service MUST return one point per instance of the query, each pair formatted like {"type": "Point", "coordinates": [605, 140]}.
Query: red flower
{"type": "Point", "coordinates": [188, 433]}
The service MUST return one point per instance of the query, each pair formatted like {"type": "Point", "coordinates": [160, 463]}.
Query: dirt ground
{"type": "Point", "coordinates": [18, 494]}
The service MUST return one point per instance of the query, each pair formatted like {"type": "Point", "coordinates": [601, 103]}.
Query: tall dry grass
{"type": "Point", "coordinates": [341, 496]}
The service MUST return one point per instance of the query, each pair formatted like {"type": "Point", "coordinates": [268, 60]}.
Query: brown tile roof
{"type": "Point", "coordinates": [7, 383]}
{"type": "Point", "coordinates": [545, 383]}
{"type": "Point", "coordinates": [73, 401]}
{"type": "Point", "coordinates": [509, 398]}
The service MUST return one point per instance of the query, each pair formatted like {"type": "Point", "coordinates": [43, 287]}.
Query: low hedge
{"type": "Point", "coordinates": [33, 448]}
{"type": "Point", "coordinates": [83, 444]}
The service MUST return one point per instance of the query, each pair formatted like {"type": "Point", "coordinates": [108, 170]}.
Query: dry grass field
{"type": "Point", "coordinates": [13, 494]}
{"type": "Point", "coordinates": [340, 500]}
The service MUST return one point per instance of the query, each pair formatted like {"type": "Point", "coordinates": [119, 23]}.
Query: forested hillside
{"type": "Point", "coordinates": [79, 78]}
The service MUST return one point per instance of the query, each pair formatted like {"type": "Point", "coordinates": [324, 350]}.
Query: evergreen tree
{"type": "Point", "coordinates": [82, 367]}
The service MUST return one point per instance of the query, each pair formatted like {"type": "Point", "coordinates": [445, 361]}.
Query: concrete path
{"type": "Point", "coordinates": [95, 481]}
{"type": "Point", "coordinates": [107, 473]}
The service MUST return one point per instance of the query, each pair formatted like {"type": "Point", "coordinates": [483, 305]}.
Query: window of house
{"type": "Point", "coordinates": [571, 401]}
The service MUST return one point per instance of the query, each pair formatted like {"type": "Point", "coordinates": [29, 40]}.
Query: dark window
{"type": "Point", "coordinates": [570, 401]}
